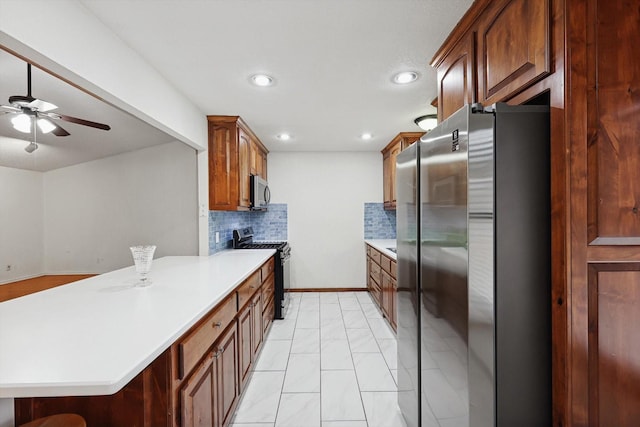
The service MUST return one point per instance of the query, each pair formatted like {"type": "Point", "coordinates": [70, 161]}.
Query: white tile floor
{"type": "Point", "coordinates": [331, 363]}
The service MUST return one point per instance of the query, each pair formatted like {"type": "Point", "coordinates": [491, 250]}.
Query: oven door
{"type": "Point", "coordinates": [283, 293]}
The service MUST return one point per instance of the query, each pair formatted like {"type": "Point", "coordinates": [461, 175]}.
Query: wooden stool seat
{"type": "Point", "coordinates": [60, 420]}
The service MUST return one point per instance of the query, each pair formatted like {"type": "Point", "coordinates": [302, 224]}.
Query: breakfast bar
{"type": "Point", "coordinates": [99, 336]}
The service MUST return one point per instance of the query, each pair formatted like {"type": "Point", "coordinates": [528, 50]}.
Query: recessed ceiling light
{"type": "Point", "coordinates": [262, 80]}
{"type": "Point", "coordinates": [405, 77]}
{"type": "Point", "coordinates": [283, 137]}
{"type": "Point", "coordinates": [366, 136]}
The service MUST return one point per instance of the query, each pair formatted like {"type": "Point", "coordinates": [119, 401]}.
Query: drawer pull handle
{"type": "Point", "coordinates": [217, 324]}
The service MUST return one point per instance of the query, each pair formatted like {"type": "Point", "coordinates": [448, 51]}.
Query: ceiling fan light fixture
{"type": "Point", "coordinates": [31, 147]}
{"type": "Point", "coordinates": [22, 123]}
{"type": "Point", "coordinates": [45, 125]}
{"type": "Point", "coordinates": [427, 122]}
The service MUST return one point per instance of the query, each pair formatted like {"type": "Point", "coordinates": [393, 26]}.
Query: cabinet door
{"type": "Point", "coordinates": [456, 83]}
{"type": "Point", "coordinates": [393, 304]}
{"type": "Point", "coordinates": [198, 396]}
{"type": "Point", "coordinates": [256, 322]}
{"type": "Point", "coordinates": [253, 163]}
{"type": "Point", "coordinates": [258, 160]}
{"type": "Point", "coordinates": [223, 167]}
{"type": "Point", "coordinates": [264, 166]}
{"type": "Point", "coordinates": [244, 168]}
{"type": "Point", "coordinates": [513, 48]}
{"type": "Point", "coordinates": [245, 348]}
{"type": "Point", "coordinates": [385, 288]}
{"type": "Point", "coordinates": [386, 179]}
{"type": "Point", "coordinates": [392, 166]}
{"type": "Point", "coordinates": [226, 375]}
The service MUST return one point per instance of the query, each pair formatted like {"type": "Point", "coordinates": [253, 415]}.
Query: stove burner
{"type": "Point", "coordinates": [263, 245]}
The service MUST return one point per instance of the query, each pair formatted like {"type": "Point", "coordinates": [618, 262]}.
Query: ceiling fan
{"type": "Point", "coordinates": [32, 111]}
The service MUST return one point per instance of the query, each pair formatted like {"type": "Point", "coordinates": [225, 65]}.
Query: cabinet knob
{"type": "Point", "coordinates": [216, 355]}
{"type": "Point", "coordinates": [217, 324]}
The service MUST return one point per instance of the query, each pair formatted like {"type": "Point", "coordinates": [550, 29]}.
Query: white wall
{"type": "Point", "coordinates": [325, 193]}
{"type": "Point", "coordinates": [21, 210]}
{"type": "Point", "coordinates": [94, 211]}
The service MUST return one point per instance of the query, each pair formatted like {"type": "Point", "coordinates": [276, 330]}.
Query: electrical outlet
{"type": "Point", "coordinates": [217, 237]}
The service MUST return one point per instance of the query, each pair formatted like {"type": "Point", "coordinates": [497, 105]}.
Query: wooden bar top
{"type": "Point", "coordinates": [36, 284]}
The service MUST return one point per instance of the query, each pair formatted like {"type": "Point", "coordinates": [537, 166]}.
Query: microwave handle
{"type": "Point", "coordinates": [267, 195]}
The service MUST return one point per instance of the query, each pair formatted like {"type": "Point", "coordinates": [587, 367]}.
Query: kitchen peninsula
{"type": "Point", "coordinates": [104, 337]}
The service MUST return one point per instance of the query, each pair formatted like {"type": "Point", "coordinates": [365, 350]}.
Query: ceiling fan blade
{"type": "Point", "coordinates": [80, 121]}
{"type": "Point", "coordinates": [59, 131]}
{"type": "Point", "coordinates": [40, 105]}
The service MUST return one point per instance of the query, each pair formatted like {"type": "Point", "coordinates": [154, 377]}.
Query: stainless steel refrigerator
{"type": "Point", "coordinates": [474, 303]}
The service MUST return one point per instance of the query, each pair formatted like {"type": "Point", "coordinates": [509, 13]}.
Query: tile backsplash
{"type": "Point", "coordinates": [267, 225]}
{"type": "Point", "coordinates": [378, 223]}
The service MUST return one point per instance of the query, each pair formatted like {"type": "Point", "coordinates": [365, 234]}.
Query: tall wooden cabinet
{"type": "Point", "coordinates": [389, 154]}
{"type": "Point", "coordinates": [235, 153]}
{"type": "Point", "coordinates": [578, 56]}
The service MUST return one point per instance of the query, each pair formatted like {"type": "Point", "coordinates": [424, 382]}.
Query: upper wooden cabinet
{"type": "Point", "coordinates": [456, 78]}
{"type": "Point", "coordinates": [389, 154]}
{"type": "Point", "coordinates": [513, 47]}
{"type": "Point", "coordinates": [235, 153]}
{"type": "Point", "coordinates": [258, 160]}
{"type": "Point", "coordinates": [496, 52]}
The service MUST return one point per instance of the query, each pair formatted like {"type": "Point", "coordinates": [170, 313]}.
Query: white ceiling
{"type": "Point", "coordinates": [333, 61]}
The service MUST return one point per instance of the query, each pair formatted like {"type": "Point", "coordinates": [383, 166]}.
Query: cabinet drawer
{"type": "Point", "coordinates": [374, 254]}
{"type": "Point", "coordinates": [200, 339]}
{"type": "Point", "coordinates": [248, 288]}
{"type": "Point", "coordinates": [385, 263]}
{"type": "Point", "coordinates": [376, 292]}
{"type": "Point", "coordinates": [375, 272]}
{"type": "Point", "coordinates": [268, 289]}
{"type": "Point", "coordinates": [267, 316]}
{"type": "Point", "coordinates": [267, 269]}
{"type": "Point", "coordinates": [394, 267]}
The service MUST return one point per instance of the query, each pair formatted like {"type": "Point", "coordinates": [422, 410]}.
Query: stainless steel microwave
{"type": "Point", "coordinates": [260, 194]}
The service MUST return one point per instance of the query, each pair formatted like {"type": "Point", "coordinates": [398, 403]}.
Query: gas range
{"type": "Point", "coordinates": [243, 239]}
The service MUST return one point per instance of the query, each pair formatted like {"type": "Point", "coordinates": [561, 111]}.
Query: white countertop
{"type": "Point", "coordinates": [382, 245]}
{"type": "Point", "coordinates": [93, 336]}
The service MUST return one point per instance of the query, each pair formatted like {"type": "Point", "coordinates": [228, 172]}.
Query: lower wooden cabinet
{"type": "Point", "coordinates": [381, 283]}
{"type": "Point", "coordinates": [244, 338]}
{"type": "Point", "coordinates": [226, 378]}
{"type": "Point", "coordinates": [208, 397]}
{"type": "Point", "coordinates": [198, 396]}
{"type": "Point", "coordinates": [256, 323]}
{"type": "Point", "coordinates": [250, 334]}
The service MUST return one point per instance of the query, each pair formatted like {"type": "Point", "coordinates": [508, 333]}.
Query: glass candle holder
{"type": "Point", "coordinates": [142, 257]}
